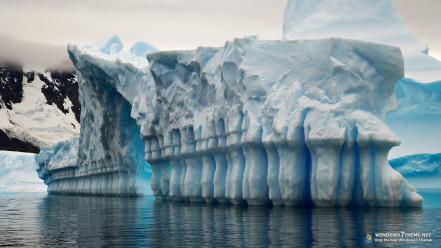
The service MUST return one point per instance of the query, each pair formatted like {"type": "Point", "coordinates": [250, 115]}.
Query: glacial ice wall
{"type": "Point", "coordinates": [257, 122]}
{"type": "Point", "coordinates": [287, 122]}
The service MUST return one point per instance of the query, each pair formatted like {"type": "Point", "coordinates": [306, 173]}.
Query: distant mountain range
{"type": "Point", "coordinates": [37, 108]}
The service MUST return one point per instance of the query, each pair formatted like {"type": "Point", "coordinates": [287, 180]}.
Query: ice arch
{"type": "Point", "coordinates": [108, 157]}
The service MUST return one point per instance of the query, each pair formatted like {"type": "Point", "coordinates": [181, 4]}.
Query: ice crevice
{"type": "Point", "coordinates": [294, 123]}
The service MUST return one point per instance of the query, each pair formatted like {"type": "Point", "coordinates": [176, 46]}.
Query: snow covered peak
{"type": "Point", "coordinates": [374, 20]}
{"type": "Point", "coordinates": [37, 108]}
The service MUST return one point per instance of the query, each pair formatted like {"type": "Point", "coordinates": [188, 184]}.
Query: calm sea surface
{"type": "Point", "coordinates": [41, 220]}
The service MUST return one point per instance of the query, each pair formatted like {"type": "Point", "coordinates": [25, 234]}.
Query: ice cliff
{"type": "Point", "coordinates": [109, 155]}
{"type": "Point", "coordinates": [281, 122]}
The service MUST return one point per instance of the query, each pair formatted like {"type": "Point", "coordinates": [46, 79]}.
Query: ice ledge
{"type": "Point", "coordinates": [286, 122]}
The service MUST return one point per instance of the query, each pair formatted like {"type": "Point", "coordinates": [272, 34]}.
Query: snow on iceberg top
{"type": "Point", "coordinates": [326, 86]}
{"type": "Point", "coordinates": [373, 20]}
{"type": "Point", "coordinates": [112, 50]}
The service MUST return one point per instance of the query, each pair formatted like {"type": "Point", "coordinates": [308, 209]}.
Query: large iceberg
{"type": "Point", "coordinates": [373, 20]}
{"type": "Point", "coordinates": [281, 122]}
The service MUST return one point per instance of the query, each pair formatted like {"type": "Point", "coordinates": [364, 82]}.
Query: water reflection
{"type": "Point", "coordinates": [141, 222]}
{"type": "Point", "coordinates": [97, 221]}
{"type": "Point", "coordinates": [232, 226]}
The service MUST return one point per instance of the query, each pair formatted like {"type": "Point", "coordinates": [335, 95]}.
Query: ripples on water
{"type": "Point", "coordinates": [47, 220]}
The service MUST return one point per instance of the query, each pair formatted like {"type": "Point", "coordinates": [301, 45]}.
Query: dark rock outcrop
{"type": "Point", "coordinates": [11, 88]}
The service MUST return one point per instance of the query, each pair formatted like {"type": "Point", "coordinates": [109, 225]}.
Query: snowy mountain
{"type": "Point", "coordinates": [422, 170]}
{"type": "Point", "coordinates": [417, 119]}
{"type": "Point", "coordinates": [37, 108]}
{"type": "Point", "coordinates": [373, 20]}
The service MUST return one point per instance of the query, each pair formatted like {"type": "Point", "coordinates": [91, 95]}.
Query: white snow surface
{"type": "Point", "coordinates": [373, 20]}
{"type": "Point", "coordinates": [17, 173]}
{"type": "Point", "coordinates": [34, 121]}
{"type": "Point", "coordinates": [290, 122]}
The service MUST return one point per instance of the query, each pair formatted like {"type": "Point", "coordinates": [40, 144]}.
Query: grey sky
{"type": "Point", "coordinates": [174, 24]}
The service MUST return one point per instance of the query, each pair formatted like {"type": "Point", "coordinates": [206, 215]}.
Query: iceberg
{"type": "Point", "coordinates": [290, 122]}
{"type": "Point", "coordinates": [108, 157]}
{"type": "Point", "coordinates": [423, 170]}
{"type": "Point", "coordinates": [256, 122]}
{"type": "Point", "coordinates": [66, 171]}
{"type": "Point", "coordinates": [17, 173]}
{"type": "Point", "coordinates": [417, 119]}
{"type": "Point", "coordinates": [373, 20]}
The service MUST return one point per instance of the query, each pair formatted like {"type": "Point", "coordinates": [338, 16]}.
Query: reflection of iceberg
{"type": "Point", "coordinates": [93, 221]}
{"type": "Point", "coordinates": [260, 226]}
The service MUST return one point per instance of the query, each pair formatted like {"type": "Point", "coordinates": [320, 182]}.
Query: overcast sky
{"type": "Point", "coordinates": [174, 24]}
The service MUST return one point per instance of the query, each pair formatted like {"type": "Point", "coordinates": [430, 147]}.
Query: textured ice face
{"type": "Point", "coordinates": [292, 122]}
{"type": "Point", "coordinates": [108, 157]}
{"type": "Point", "coordinates": [374, 20]}
{"type": "Point", "coordinates": [287, 122]}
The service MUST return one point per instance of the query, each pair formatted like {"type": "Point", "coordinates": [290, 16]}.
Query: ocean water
{"type": "Point", "coordinates": [41, 220]}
